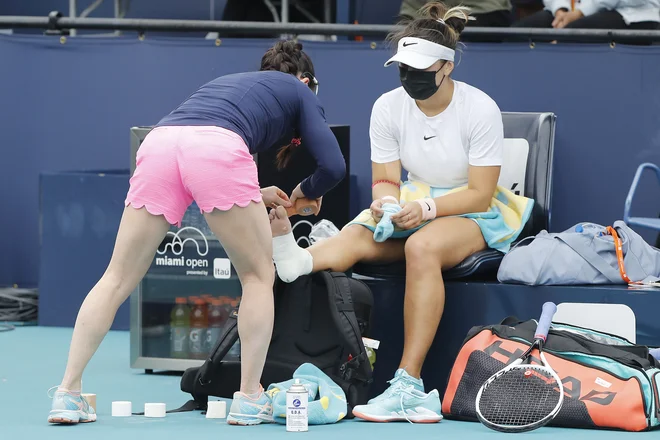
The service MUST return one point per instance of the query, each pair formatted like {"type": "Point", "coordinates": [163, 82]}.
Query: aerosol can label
{"type": "Point", "coordinates": [296, 408]}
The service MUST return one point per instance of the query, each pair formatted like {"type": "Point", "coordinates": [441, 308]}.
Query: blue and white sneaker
{"type": "Point", "coordinates": [247, 411]}
{"type": "Point", "coordinates": [402, 401]}
{"type": "Point", "coordinates": [401, 380]}
{"type": "Point", "coordinates": [70, 408]}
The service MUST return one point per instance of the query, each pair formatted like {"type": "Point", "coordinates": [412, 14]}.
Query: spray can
{"type": "Point", "coordinates": [296, 408]}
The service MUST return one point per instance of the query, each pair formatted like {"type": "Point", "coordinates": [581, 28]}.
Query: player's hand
{"type": "Point", "coordinates": [376, 209]}
{"type": "Point", "coordinates": [410, 216]}
{"type": "Point", "coordinates": [274, 197]}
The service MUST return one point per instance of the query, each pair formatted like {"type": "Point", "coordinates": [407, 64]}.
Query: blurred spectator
{"type": "Point", "coordinates": [259, 10]}
{"type": "Point", "coordinates": [523, 8]}
{"type": "Point", "coordinates": [487, 13]}
{"type": "Point", "coordinates": [595, 14]}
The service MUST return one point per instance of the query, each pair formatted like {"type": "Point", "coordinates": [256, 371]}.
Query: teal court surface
{"type": "Point", "coordinates": [32, 360]}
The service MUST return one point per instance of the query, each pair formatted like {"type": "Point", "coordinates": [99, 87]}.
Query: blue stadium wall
{"type": "Point", "coordinates": [69, 106]}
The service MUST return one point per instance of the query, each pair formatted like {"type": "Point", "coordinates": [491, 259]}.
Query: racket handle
{"type": "Point", "coordinates": [543, 328]}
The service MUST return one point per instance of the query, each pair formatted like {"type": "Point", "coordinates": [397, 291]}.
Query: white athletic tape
{"type": "Point", "coordinates": [216, 409]}
{"type": "Point", "coordinates": [154, 410]}
{"type": "Point", "coordinates": [122, 409]}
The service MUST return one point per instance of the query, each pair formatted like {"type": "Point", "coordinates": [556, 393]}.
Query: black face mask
{"type": "Point", "coordinates": [419, 84]}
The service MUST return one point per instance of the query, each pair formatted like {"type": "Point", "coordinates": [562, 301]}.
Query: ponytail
{"type": "Point", "coordinates": [288, 57]}
{"type": "Point", "coordinates": [284, 153]}
{"type": "Point", "coordinates": [435, 22]}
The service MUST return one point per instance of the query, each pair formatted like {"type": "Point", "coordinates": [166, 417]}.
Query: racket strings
{"type": "Point", "coordinates": [521, 396]}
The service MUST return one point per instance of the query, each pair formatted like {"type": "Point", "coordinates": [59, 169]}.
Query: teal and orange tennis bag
{"type": "Point", "coordinates": [608, 381]}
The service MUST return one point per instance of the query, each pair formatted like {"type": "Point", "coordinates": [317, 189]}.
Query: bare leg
{"type": "Point", "coordinates": [138, 238]}
{"type": "Point", "coordinates": [353, 244]}
{"type": "Point", "coordinates": [246, 237]}
{"type": "Point", "coordinates": [440, 245]}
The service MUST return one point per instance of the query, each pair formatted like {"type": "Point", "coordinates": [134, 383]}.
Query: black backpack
{"type": "Point", "coordinates": [319, 319]}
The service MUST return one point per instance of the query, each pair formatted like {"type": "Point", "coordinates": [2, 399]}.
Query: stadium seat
{"type": "Point", "coordinates": [529, 135]}
{"type": "Point", "coordinates": [644, 222]}
{"type": "Point", "coordinates": [615, 319]}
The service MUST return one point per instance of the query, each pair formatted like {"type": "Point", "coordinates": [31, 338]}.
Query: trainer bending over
{"type": "Point", "coordinates": [448, 135]}
{"type": "Point", "coordinates": [202, 151]}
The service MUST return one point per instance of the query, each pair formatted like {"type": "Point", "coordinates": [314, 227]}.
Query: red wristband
{"type": "Point", "coordinates": [385, 181]}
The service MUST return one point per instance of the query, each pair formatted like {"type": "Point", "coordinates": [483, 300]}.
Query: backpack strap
{"type": "Point", "coordinates": [510, 321]}
{"type": "Point", "coordinates": [343, 313]}
{"type": "Point", "coordinates": [225, 342]}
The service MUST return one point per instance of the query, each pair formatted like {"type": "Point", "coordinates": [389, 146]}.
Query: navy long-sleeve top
{"type": "Point", "coordinates": [263, 107]}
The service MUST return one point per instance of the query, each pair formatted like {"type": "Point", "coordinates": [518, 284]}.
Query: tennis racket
{"type": "Point", "coordinates": [523, 396]}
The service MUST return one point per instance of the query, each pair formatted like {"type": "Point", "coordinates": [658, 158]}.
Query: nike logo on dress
{"type": "Point", "coordinates": [427, 138]}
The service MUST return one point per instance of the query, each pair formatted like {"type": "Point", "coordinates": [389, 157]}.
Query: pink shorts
{"type": "Point", "coordinates": [176, 165]}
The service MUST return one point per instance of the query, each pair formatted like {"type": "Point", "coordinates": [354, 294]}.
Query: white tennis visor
{"type": "Point", "coordinates": [419, 53]}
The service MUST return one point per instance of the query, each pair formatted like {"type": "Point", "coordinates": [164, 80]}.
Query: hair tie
{"type": "Point", "coordinates": [295, 141]}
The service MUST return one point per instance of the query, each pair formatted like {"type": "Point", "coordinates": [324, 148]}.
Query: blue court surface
{"type": "Point", "coordinates": [33, 360]}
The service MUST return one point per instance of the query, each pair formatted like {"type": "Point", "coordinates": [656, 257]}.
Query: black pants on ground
{"type": "Point", "coordinates": [491, 19]}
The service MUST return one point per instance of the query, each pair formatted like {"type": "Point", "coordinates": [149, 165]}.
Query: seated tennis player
{"type": "Point", "coordinates": [202, 151]}
{"type": "Point", "coordinates": [448, 135]}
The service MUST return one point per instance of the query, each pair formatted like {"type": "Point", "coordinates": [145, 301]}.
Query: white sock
{"type": "Point", "coordinates": [291, 261]}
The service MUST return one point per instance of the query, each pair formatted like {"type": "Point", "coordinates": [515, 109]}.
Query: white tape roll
{"type": "Point", "coordinates": [154, 410]}
{"type": "Point", "coordinates": [122, 409]}
{"type": "Point", "coordinates": [216, 409]}
{"type": "Point", "coordinates": [91, 399]}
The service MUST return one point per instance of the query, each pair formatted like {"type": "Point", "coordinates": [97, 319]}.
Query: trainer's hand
{"type": "Point", "coordinates": [298, 194]}
{"type": "Point", "coordinates": [410, 216]}
{"type": "Point", "coordinates": [274, 197]}
{"type": "Point", "coordinates": [376, 209]}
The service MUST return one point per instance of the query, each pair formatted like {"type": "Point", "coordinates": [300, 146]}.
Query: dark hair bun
{"type": "Point", "coordinates": [284, 56]}
{"type": "Point", "coordinates": [457, 24]}
{"type": "Point", "coordinates": [288, 47]}
{"type": "Point", "coordinates": [455, 18]}
{"type": "Point", "coordinates": [434, 10]}
{"type": "Point", "coordinates": [436, 23]}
